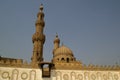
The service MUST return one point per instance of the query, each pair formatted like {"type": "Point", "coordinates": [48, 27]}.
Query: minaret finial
{"type": "Point", "coordinates": [56, 42]}
{"type": "Point", "coordinates": [56, 34]}
{"type": "Point", "coordinates": [41, 7]}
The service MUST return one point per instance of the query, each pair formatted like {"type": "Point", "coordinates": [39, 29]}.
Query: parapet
{"type": "Point", "coordinates": [77, 65]}
{"type": "Point", "coordinates": [12, 62]}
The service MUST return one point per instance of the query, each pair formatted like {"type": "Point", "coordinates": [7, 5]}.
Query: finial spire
{"type": "Point", "coordinates": [56, 34]}
{"type": "Point", "coordinates": [41, 7]}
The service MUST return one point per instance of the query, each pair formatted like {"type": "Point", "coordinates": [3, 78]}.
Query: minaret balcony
{"type": "Point", "coordinates": [38, 37]}
{"type": "Point", "coordinates": [40, 22]}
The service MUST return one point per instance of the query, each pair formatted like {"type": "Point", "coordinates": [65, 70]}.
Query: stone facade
{"type": "Point", "coordinates": [63, 65]}
{"type": "Point", "coordinates": [87, 75]}
{"type": "Point", "coordinates": [13, 73]}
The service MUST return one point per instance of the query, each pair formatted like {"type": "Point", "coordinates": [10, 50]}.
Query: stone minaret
{"type": "Point", "coordinates": [56, 43]}
{"type": "Point", "coordinates": [38, 38]}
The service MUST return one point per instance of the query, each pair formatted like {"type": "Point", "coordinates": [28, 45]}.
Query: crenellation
{"type": "Point", "coordinates": [19, 61]}
{"type": "Point", "coordinates": [79, 66]}
{"type": "Point", "coordinates": [9, 62]}
{"type": "Point", "coordinates": [2, 61]}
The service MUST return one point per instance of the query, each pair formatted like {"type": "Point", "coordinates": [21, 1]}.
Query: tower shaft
{"type": "Point", "coordinates": [38, 38]}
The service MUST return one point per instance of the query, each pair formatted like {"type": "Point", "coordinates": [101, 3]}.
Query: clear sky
{"type": "Point", "coordinates": [91, 28]}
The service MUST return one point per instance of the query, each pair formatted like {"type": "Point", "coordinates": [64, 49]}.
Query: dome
{"type": "Point", "coordinates": [63, 54]}
{"type": "Point", "coordinates": [64, 51]}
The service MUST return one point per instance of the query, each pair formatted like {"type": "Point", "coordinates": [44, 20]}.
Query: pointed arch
{"type": "Point", "coordinates": [58, 75]}
{"type": "Point", "coordinates": [86, 75]}
{"type": "Point", "coordinates": [93, 76]}
{"type": "Point", "coordinates": [32, 75]}
{"type": "Point", "coordinates": [80, 77]}
{"type": "Point", "coordinates": [116, 77]}
{"type": "Point", "coordinates": [15, 74]}
{"type": "Point", "coordinates": [65, 77]}
{"type": "Point", "coordinates": [110, 76]}
{"type": "Point", "coordinates": [99, 77]}
{"type": "Point", "coordinates": [73, 75]}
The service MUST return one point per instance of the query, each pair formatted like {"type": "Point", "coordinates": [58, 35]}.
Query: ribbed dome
{"type": "Point", "coordinates": [63, 54]}
{"type": "Point", "coordinates": [63, 50]}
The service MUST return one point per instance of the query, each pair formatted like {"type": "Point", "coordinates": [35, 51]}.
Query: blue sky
{"type": "Point", "coordinates": [91, 28]}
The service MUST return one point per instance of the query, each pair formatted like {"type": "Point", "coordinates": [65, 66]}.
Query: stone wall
{"type": "Point", "coordinates": [12, 73]}
{"type": "Point", "coordinates": [7, 73]}
{"type": "Point", "coordinates": [86, 75]}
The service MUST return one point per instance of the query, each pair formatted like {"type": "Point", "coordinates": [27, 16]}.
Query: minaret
{"type": "Point", "coordinates": [38, 38]}
{"type": "Point", "coordinates": [56, 43]}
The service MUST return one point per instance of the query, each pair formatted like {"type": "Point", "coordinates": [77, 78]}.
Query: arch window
{"type": "Point", "coordinates": [32, 75]}
{"type": "Point", "coordinates": [68, 60]}
{"type": "Point", "coordinates": [71, 59]}
{"type": "Point", "coordinates": [15, 74]}
{"type": "Point", "coordinates": [62, 59]}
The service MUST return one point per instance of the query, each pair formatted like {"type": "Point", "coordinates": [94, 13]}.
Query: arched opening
{"type": "Point", "coordinates": [46, 68]}
{"type": "Point", "coordinates": [37, 54]}
{"type": "Point", "coordinates": [71, 59]}
{"type": "Point", "coordinates": [62, 59]}
{"type": "Point", "coordinates": [68, 60]}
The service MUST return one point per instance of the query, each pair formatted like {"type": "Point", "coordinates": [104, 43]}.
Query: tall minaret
{"type": "Point", "coordinates": [38, 38]}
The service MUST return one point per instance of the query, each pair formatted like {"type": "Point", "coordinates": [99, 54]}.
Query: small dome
{"type": "Point", "coordinates": [63, 50]}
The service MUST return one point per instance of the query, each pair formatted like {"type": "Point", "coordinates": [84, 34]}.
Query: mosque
{"type": "Point", "coordinates": [63, 65]}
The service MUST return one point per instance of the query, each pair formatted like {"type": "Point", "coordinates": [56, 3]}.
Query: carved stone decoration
{"type": "Point", "coordinates": [24, 76]}
{"type": "Point", "coordinates": [110, 76]}
{"type": "Point", "coordinates": [93, 77]}
{"type": "Point", "coordinates": [66, 77]}
{"type": "Point", "coordinates": [73, 76]}
{"type": "Point", "coordinates": [53, 73]}
{"type": "Point", "coordinates": [32, 75]}
{"type": "Point", "coordinates": [119, 74]}
{"type": "Point", "coordinates": [15, 74]}
{"type": "Point", "coordinates": [104, 77]}
{"type": "Point", "coordinates": [58, 75]}
{"type": "Point", "coordinates": [80, 77]}
{"type": "Point", "coordinates": [86, 75]}
{"type": "Point", "coordinates": [99, 76]}
{"type": "Point", "coordinates": [5, 75]}
{"type": "Point", "coordinates": [116, 77]}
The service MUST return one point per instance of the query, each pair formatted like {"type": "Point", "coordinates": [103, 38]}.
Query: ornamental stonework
{"type": "Point", "coordinates": [18, 74]}
{"type": "Point", "coordinates": [87, 75]}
